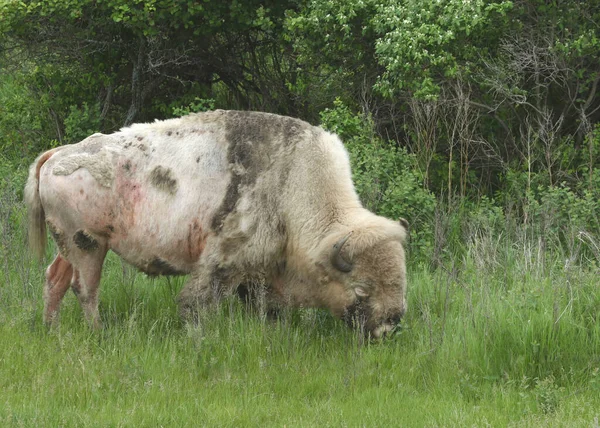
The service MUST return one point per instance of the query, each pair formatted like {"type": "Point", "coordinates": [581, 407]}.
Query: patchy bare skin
{"type": "Point", "coordinates": [130, 216]}
{"type": "Point", "coordinates": [228, 198]}
{"type": "Point", "coordinates": [58, 280]}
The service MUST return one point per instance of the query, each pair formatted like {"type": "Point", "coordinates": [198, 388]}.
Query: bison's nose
{"type": "Point", "coordinates": [387, 326]}
{"type": "Point", "coordinates": [382, 330]}
{"type": "Point", "coordinates": [394, 319]}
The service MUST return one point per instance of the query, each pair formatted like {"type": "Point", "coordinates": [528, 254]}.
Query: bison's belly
{"type": "Point", "coordinates": [160, 234]}
{"type": "Point", "coordinates": [161, 247]}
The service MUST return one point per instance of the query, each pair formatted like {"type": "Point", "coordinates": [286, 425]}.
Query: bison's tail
{"type": "Point", "coordinates": [35, 210]}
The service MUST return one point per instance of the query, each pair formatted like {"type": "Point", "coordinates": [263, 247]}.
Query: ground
{"type": "Point", "coordinates": [509, 343]}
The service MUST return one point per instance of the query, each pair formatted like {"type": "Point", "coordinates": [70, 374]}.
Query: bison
{"type": "Point", "coordinates": [228, 198]}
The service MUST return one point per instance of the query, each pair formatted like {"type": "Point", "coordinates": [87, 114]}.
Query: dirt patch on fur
{"type": "Point", "coordinates": [85, 241]}
{"type": "Point", "coordinates": [59, 237]}
{"type": "Point", "coordinates": [163, 179]}
{"type": "Point", "coordinates": [98, 164]}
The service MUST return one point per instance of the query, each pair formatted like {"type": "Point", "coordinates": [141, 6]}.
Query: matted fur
{"type": "Point", "coordinates": [227, 197]}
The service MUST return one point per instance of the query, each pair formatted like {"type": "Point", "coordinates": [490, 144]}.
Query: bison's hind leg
{"type": "Point", "coordinates": [78, 265]}
{"type": "Point", "coordinates": [88, 261]}
{"type": "Point", "coordinates": [85, 285]}
{"type": "Point", "coordinates": [58, 279]}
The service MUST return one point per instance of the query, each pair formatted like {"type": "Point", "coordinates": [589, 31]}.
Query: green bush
{"type": "Point", "coordinates": [561, 217]}
{"type": "Point", "coordinates": [196, 106]}
{"type": "Point", "coordinates": [82, 122]}
{"type": "Point", "coordinates": [23, 118]}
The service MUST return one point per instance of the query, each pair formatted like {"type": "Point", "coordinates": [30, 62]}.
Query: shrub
{"type": "Point", "coordinates": [82, 122]}
{"type": "Point", "coordinates": [22, 119]}
{"type": "Point", "coordinates": [196, 106]}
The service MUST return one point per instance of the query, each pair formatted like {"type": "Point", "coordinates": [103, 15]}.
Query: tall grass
{"type": "Point", "coordinates": [503, 332]}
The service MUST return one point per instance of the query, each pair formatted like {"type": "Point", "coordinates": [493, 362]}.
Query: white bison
{"type": "Point", "coordinates": [227, 197]}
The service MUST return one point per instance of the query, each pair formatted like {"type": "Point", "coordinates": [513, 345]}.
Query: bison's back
{"type": "Point", "coordinates": [159, 193]}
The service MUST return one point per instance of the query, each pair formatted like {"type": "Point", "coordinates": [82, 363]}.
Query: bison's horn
{"type": "Point", "coordinates": [336, 257]}
{"type": "Point", "coordinates": [403, 222]}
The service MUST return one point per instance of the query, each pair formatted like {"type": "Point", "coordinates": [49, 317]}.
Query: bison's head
{"type": "Point", "coordinates": [370, 264]}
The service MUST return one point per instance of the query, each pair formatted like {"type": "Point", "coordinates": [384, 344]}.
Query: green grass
{"type": "Point", "coordinates": [501, 340]}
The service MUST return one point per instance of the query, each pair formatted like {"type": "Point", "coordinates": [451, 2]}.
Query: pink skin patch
{"type": "Point", "coordinates": [127, 196]}
{"type": "Point", "coordinates": [196, 241]}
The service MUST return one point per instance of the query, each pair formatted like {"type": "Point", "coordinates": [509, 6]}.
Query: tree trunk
{"type": "Point", "coordinates": [136, 83]}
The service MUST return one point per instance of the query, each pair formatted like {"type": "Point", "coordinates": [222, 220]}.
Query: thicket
{"type": "Point", "coordinates": [473, 119]}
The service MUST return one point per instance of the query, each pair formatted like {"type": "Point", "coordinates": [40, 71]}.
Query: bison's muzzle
{"type": "Point", "coordinates": [359, 316]}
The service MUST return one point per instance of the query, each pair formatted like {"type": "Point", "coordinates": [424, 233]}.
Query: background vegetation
{"type": "Point", "coordinates": [476, 120]}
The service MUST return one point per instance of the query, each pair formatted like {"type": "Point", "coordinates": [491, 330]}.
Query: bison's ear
{"type": "Point", "coordinates": [361, 292]}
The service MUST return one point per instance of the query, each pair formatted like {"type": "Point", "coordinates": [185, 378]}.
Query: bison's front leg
{"type": "Point", "coordinates": [259, 298]}
{"type": "Point", "coordinates": [205, 288]}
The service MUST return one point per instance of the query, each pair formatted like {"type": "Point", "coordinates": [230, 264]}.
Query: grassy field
{"type": "Point", "coordinates": [506, 336]}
